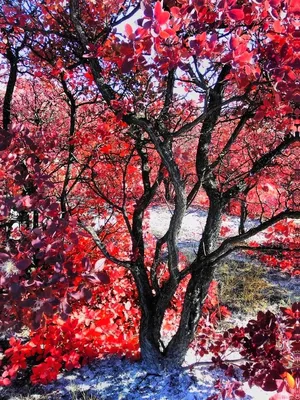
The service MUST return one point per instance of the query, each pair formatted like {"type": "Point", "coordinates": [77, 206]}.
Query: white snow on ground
{"type": "Point", "coordinates": [193, 224]}
{"type": "Point", "coordinates": [115, 379]}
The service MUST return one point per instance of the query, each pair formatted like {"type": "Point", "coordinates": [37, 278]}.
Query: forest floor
{"type": "Point", "coordinates": [116, 379]}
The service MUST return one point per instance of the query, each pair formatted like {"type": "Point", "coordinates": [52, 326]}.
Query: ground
{"type": "Point", "coordinates": [115, 379]}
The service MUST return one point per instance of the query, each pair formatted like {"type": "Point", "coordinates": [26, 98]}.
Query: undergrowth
{"type": "Point", "coordinates": [244, 288]}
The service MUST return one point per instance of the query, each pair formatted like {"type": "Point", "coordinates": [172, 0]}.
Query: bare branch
{"type": "Point", "coordinates": [235, 241]}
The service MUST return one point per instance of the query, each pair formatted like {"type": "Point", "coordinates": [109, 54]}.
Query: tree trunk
{"type": "Point", "coordinates": [12, 79]}
{"type": "Point", "coordinates": [198, 285]}
{"type": "Point", "coordinates": [192, 310]}
{"type": "Point", "coordinates": [150, 351]}
{"type": "Point", "coordinates": [150, 348]}
{"type": "Point", "coordinates": [212, 228]}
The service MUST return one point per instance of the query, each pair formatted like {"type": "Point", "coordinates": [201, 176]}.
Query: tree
{"type": "Point", "coordinates": [201, 96]}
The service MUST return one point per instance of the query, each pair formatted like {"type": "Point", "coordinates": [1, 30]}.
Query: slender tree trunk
{"type": "Point", "coordinates": [150, 350]}
{"type": "Point", "coordinates": [198, 285]}
{"type": "Point", "coordinates": [13, 72]}
{"type": "Point", "coordinates": [192, 310]}
{"type": "Point", "coordinates": [72, 105]}
{"type": "Point", "coordinates": [212, 228]}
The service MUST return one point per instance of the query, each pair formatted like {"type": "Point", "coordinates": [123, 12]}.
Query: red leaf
{"type": "Point", "coordinates": [277, 26]}
{"type": "Point", "coordinates": [269, 384]}
{"type": "Point", "coordinates": [175, 11]}
{"type": "Point", "coordinates": [71, 360]}
{"type": "Point", "coordinates": [158, 9]}
{"type": "Point", "coordinates": [236, 14]}
{"type": "Point", "coordinates": [167, 33]}
{"type": "Point", "coordinates": [106, 149]}
{"type": "Point", "coordinates": [5, 139]}
{"type": "Point", "coordinates": [128, 30]}
{"type": "Point", "coordinates": [89, 77]}
{"type": "Point", "coordinates": [240, 393]}
{"type": "Point", "coordinates": [274, 3]}
{"type": "Point", "coordinates": [164, 34]}
{"type": "Point", "coordinates": [246, 57]}
{"type": "Point", "coordinates": [163, 18]}
{"type": "Point", "coordinates": [74, 238]}
{"type": "Point", "coordinates": [234, 43]}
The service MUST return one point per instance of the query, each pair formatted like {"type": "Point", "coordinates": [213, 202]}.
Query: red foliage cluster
{"type": "Point", "coordinates": [85, 335]}
{"type": "Point", "coordinates": [68, 344]}
{"type": "Point", "coordinates": [286, 235]}
{"type": "Point", "coordinates": [271, 345]}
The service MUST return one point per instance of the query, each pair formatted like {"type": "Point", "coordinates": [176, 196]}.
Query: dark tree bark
{"type": "Point", "coordinates": [10, 87]}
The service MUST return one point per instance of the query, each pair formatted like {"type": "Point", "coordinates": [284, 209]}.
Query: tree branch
{"type": "Point", "coordinates": [102, 247]}
{"type": "Point", "coordinates": [258, 165]}
{"type": "Point", "coordinates": [235, 241]}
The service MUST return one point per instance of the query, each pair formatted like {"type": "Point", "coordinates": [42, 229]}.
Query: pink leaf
{"type": "Point", "coordinates": [175, 11]}
{"type": "Point", "coordinates": [281, 396]}
{"type": "Point", "coordinates": [234, 43]}
{"type": "Point", "coordinates": [157, 9]}
{"type": "Point", "coordinates": [163, 18]}
{"type": "Point", "coordinates": [99, 265]}
{"type": "Point", "coordinates": [5, 382]}
{"type": "Point", "coordinates": [277, 27]}
{"type": "Point", "coordinates": [236, 14]}
{"type": "Point", "coordinates": [128, 30]}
